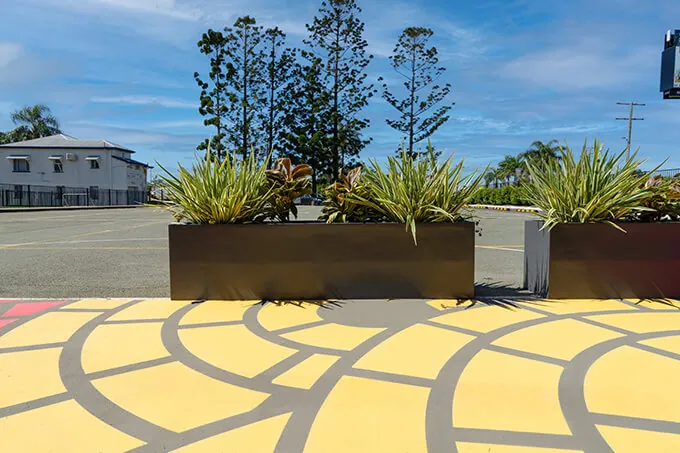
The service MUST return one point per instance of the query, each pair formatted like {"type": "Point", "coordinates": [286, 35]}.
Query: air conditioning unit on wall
{"type": "Point", "coordinates": [71, 157]}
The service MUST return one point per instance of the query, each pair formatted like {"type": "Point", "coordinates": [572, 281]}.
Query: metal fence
{"type": "Point", "coordinates": [21, 195]}
{"type": "Point", "coordinates": [668, 172]}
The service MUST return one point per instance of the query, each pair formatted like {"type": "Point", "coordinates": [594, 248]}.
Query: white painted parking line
{"type": "Point", "coordinates": [488, 247]}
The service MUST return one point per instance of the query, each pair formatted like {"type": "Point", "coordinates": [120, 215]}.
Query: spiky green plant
{"type": "Point", "coordinates": [339, 205]}
{"type": "Point", "coordinates": [418, 190]}
{"type": "Point", "coordinates": [212, 192]}
{"type": "Point", "coordinates": [598, 187]}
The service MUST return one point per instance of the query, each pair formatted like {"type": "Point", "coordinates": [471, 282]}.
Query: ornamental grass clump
{"type": "Point", "coordinates": [417, 190]}
{"type": "Point", "coordinates": [212, 192]}
{"type": "Point", "coordinates": [598, 187]}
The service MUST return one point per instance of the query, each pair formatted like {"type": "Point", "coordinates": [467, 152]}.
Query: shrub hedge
{"type": "Point", "coordinates": [509, 195]}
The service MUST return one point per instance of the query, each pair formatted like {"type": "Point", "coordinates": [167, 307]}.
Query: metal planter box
{"type": "Point", "coordinates": [315, 261]}
{"type": "Point", "coordinates": [584, 261]}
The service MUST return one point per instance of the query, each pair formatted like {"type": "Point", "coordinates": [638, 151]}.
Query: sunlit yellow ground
{"type": "Point", "coordinates": [156, 375]}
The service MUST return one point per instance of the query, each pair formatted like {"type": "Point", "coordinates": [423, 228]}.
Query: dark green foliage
{"type": "Point", "coordinates": [214, 97]}
{"type": "Point", "coordinates": [289, 183]}
{"type": "Point", "coordinates": [510, 195]}
{"type": "Point", "coordinates": [339, 203]}
{"type": "Point", "coordinates": [306, 131]}
{"type": "Point", "coordinates": [279, 66]}
{"type": "Point", "coordinates": [418, 64]}
{"type": "Point", "coordinates": [336, 37]}
{"type": "Point", "coordinates": [245, 68]}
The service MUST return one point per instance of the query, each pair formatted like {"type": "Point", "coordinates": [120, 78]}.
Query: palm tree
{"type": "Point", "coordinates": [542, 152]}
{"type": "Point", "coordinates": [508, 168]}
{"type": "Point", "coordinates": [490, 177]}
{"type": "Point", "coordinates": [34, 122]}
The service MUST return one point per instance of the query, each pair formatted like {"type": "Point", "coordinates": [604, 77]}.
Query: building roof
{"type": "Point", "coordinates": [63, 141]}
{"type": "Point", "coordinates": [131, 161]}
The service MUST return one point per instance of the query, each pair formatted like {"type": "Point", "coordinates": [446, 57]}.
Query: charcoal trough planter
{"type": "Point", "coordinates": [317, 261]}
{"type": "Point", "coordinates": [597, 261]}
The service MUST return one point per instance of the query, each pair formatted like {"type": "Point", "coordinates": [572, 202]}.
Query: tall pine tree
{"type": "Point", "coordinates": [214, 96]}
{"type": "Point", "coordinates": [245, 67]}
{"type": "Point", "coordinates": [307, 136]}
{"type": "Point", "coordinates": [336, 37]}
{"type": "Point", "coordinates": [418, 64]}
{"type": "Point", "coordinates": [279, 66]}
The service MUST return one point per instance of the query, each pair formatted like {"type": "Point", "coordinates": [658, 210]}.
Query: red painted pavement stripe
{"type": "Point", "coordinates": [4, 322]}
{"type": "Point", "coordinates": [29, 308]}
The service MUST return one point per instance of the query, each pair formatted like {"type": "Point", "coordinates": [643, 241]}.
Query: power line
{"type": "Point", "coordinates": [630, 120]}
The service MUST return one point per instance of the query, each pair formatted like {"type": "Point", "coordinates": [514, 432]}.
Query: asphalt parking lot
{"type": "Point", "coordinates": [124, 253]}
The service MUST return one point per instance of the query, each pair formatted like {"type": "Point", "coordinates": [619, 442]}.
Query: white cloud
{"type": "Point", "coordinates": [9, 51]}
{"type": "Point", "coordinates": [581, 67]}
{"type": "Point", "coordinates": [144, 100]}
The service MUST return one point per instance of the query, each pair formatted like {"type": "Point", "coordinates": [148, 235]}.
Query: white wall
{"type": "Point", "coordinates": [76, 174]}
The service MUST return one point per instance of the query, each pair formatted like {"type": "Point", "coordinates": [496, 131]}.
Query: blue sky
{"type": "Point", "coordinates": [522, 70]}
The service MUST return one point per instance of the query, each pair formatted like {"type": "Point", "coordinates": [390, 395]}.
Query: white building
{"type": "Point", "coordinates": [67, 162]}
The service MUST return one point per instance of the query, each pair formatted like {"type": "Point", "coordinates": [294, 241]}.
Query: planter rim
{"type": "Point", "coordinates": [317, 222]}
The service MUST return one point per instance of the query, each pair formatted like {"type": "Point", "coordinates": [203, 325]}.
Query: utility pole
{"type": "Point", "coordinates": [630, 120]}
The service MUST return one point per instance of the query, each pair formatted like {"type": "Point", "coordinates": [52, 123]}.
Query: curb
{"type": "Point", "coordinates": [70, 208]}
{"type": "Point", "coordinates": [506, 208]}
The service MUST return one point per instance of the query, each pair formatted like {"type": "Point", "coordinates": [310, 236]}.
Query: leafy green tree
{"type": "Point", "coordinates": [34, 122]}
{"type": "Point", "coordinates": [419, 65]}
{"type": "Point", "coordinates": [245, 66]}
{"type": "Point", "coordinates": [214, 95]}
{"type": "Point", "coordinates": [306, 137]}
{"type": "Point", "coordinates": [279, 66]}
{"type": "Point", "coordinates": [336, 37]}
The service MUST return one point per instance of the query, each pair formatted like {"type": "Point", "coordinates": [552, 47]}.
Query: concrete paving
{"type": "Point", "coordinates": [123, 253]}
{"type": "Point", "coordinates": [349, 376]}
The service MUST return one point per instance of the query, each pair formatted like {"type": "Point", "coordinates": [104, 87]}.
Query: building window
{"type": "Point", "coordinates": [21, 166]}
{"type": "Point", "coordinates": [94, 192]}
{"type": "Point", "coordinates": [94, 164]}
{"type": "Point", "coordinates": [58, 166]}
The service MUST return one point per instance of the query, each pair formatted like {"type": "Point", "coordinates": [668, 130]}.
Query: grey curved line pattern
{"type": "Point", "coordinates": [439, 415]}
{"type": "Point", "coordinates": [253, 324]}
{"type": "Point", "coordinates": [172, 342]}
{"type": "Point", "coordinates": [572, 392]}
{"type": "Point", "coordinates": [296, 431]}
{"type": "Point", "coordinates": [80, 387]}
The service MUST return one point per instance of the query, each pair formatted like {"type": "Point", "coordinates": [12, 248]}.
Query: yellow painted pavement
{"type": "Point", "coordinates": [502, 392]}
{"type": "Point", "coordinates": [96, 304]}
{"type": "Point", "coordinates": [419, 351]}
{"type": "Point", "coordinates": [176, 397]}
{"type": "Point", "coordinates": [305, 374]}
{"type": "Point", "coordinates": [216, 311]}
{"type": "Point", "coordinates": [468, 447]}
{"type": "Point", "coordinates": [562, 339]}
{"type": "Point", "coordinates": [260, 436]}
{"type": "Point", "coordinates": [367, 416]}
{"type": "Point", "coordinates": [631, 382]}
{"type": "Point", "coordinates": [234, 348]}
{"type": "Point", "coordinates": [29, 375]}
{"type": "Point", "coordinates": [149, 309]}
{"type": "Point", "coordinates": [334, 336]}
{"type": "Point", "coordinates": [103, 351]}
{"type": "Point", "coordinates": [486, 319]}
{"type": "Point", "coordinates": [275, 317]}
{"type": "Point", "coordinates": [61, 428]}
{"type": "Point", "coordinates": [53, 327]}
{"type": "Point", "coordinates": [626, 440]}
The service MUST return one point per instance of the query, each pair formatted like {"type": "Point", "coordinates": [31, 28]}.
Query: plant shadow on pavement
{"type": "Point", "coordinates": [670, 303]}
{"type": "Point", "coordinates": [500, 290]}
{"type": "Point", "coordinates": [325, 304]}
